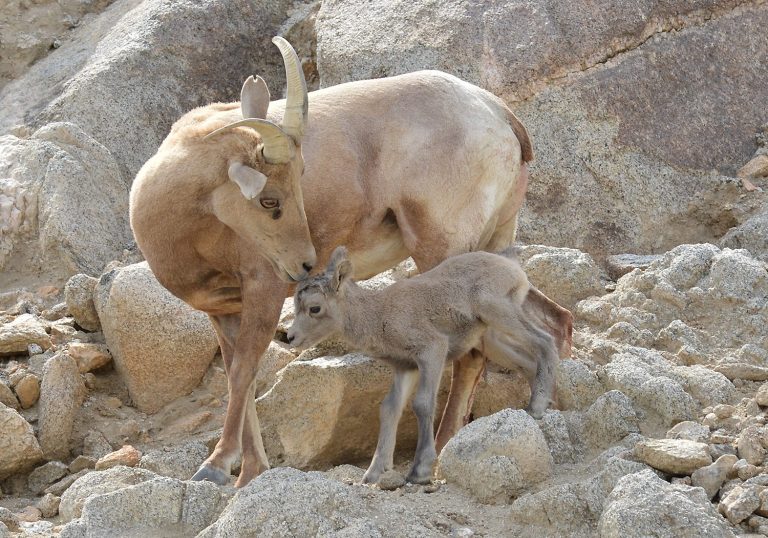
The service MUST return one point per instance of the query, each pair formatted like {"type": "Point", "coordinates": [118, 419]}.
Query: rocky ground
{"type": "Point", "coordinates": [661, 427]}
{"type": "Point", "coordinates": [651, 134]}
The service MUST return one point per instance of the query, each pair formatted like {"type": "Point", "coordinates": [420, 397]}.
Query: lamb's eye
{"type": "Point", "coordinates": [314, 310]}
{"type": "Point", "coordinates": [269, 203]}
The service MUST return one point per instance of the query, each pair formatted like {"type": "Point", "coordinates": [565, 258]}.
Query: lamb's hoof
{"type": "Point", "coordinates": [371, 477]}
{"type": "Point", "coordinates": [414, 478]}
{"type": "Point", "coordinates": [207, 472]}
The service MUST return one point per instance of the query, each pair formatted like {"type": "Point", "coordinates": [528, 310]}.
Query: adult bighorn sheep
{"type": "Point", "coordinates": [418, 324]}
{"type": "Point", "coordinates": [230, 210]}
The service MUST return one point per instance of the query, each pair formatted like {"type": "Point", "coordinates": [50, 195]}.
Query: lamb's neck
{"type": "Point", "coordinates": [361, 317]}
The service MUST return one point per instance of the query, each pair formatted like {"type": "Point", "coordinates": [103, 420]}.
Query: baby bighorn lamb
{"type": "Point", "coordinates": [470, 301]}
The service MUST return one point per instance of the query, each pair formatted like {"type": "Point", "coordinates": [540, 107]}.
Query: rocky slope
{"type": "Point", "coordinates": [651, 133]}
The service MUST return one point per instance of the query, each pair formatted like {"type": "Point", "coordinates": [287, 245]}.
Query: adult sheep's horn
{"type": "Point", "coordinates": [278, 146]}
{"type": "Point", "coordinates": [296, 100]}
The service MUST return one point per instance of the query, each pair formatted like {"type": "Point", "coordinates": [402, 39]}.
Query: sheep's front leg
{"type": "Point", "coordinates": [389, 415]}
{"type": "Point", "coordinates": [430, 370]}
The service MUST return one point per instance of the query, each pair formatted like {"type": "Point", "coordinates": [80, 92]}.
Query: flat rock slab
{"type": "Point", "coordinates": [674, 456]}
{"type": "Point", "coordinates": [17, 335]}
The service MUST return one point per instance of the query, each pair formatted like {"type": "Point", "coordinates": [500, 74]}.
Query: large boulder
{"type": "Point", "coordinates": [98, 483]}
{"type": "Point", "coordinates": [325, 410]}
{"type": "Point", "coordinates": [611, 96]}
{"type": "Point", "coordinates": [63, 205]}
{"type": "Point", "coordinates": [160, 345]}
{"type": "Point", "coordinates": [496, 458]}
{"type": "Point", "coordinates": [102, 80]}
{"type": "Point", "coordinates": [18, 444]}
{"type": "Point", "coordinates": [642, 505]}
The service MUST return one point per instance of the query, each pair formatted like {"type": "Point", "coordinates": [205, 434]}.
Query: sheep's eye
{"type": "Point", "coordinates": [269, 203]}
{"type": "Point", "coordinates": [314, 310]}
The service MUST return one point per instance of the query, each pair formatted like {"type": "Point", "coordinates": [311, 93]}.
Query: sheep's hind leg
{"type": "Point", "coordinates": [430, 370]}
{"type": "Point", "coordinates": [389, 413]}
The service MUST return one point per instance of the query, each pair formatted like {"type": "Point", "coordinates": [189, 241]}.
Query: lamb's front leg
{"type": "Point", "coordinates": [389, 415]}
{"type": "Point", "coordinates": [430, 370]}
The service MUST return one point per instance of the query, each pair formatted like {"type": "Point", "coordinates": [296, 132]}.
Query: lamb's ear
{"type": "Point", "coordinates": [339, 267]}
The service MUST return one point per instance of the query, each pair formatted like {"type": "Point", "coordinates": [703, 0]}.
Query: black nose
{"type": "Point", "coordinates": [290, 338]}
{"type": "Point", "coordinates": [307, 266]}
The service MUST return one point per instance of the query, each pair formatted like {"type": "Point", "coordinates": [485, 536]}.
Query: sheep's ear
{"type": "Point", "coordinates": [250, 181]}
{"type": "Point", "coordinates": [340, 267]}
{"type": "Point", "coordinates": [254, 98]}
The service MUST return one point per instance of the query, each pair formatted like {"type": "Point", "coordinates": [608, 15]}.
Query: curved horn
{"type": "Point", "coordinates": [296, 100]}
{"type": "Point", "coordinates": [278, 146]}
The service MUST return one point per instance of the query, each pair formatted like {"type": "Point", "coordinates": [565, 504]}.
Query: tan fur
{"type": "Point", "coordinates": [421, 164]}
{"type": "Point", "coordinates": [473, 301]}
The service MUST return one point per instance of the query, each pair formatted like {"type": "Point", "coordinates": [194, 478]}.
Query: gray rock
{"type": "Point", "coordinates": [496, 458]}
{"type": "Point", "coordinates": [99, 483]}
{"type": "Point", "coordinates": [9, 519]}
{"type": "Point", "coordinates": [176, 462]}
{"type": "Point", "coordinates": [98, 78]}
{"type": "Point", "coordinates": [577, 386]}
{"type": "Point", "coordinates": [78, 294]}
{"type": "Point", "coordinates": [158, 506]}
{"type": "Point", "coordinates": [674, 456]}
{"type": "Point", "coordinates": [750, 446]}
{"type": "Point", "coordinates": [609, 420]}
{"type": "Point", "coordinates": [45, 475]}
{"type": "Point", "coordinates": [578, 276]}
{"type": "Point", "coordinates": [619, 265]}
{"type": "Point", "coordinates": [17, 335]}
{"type": "Point", "coordinates": [69, 204]}
{"type": "Point", "coordinates": [48, 505]}
{"type": "Point", "coordinates": [762, 395]}
{"type": "Point", "coordinates": [751, 235]}
{"type": "Point", "coordinates": [61, 394]}
{"type": "Point", "coordinates": [62, 485]}
{"type": "Point", "coordinates": [713, 476]}
{"type": "Point", "coordinates": [96, 446]}
{"type": "Point", "coordinates": [81, 462]}
{"type": "Point", "coordinates": [740, 503]}
{"type": "Point", "coordinates": [555, 429]}
{"type": "Point", "coordinates": [148, 330]}
{"type": "Point", "coordinates": [692, 431]}
{"type": "Point", "coordinates": [643, 505]}
{"type": "Point", "coordinates": [18, 444]}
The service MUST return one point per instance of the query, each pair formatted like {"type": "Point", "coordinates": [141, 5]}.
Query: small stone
{"type": "Point", "coordinates": [30, 514]}
{"type": "Point", "coordinates": [717, 450]}
{"type": "Point", "coordinates": [740, 503]}
{"type": "Point", "coordinates": [78, 294]}
{"type": "Point", "coordinates": [28, 390]}
{"type": "Point", "coordinates": [82, 462]}
{"type": "Point", "coordinates": [710, 420]}
{"type": "Point", "coordinates": [7, 397]}
{"type": "Point", "coordinates": [692, 431]}
{"type": "Point", "coordinates": [34, 349]}
{"type": "Point", "coordinates": [738, 370]}
{"type": "Point", "coordinates": [433, 488]}
{"type": "Point", "coordinates": [750, 446]}
{"type": "Point", "coordinates": [719, 437]}
{"type": "Point", "coordinates": [127, 455]}
{"type": "Point", "coordinates": [9, 519]}
{"type": "Point", "coordinates": [674, 456]}
{"type": "Point", "coordinates": [724, 410]}
{"type": "Point", "coordinates": [762, 395]}
{"type": "Point", "coordinates": [681, 480]}
{"type": "Point", "coordinates": [62, 485]}
{"type": "Point", "coordinates": [712, 477]}
{"type": "Point", "coordinates": [89, 356]}
{"type": "Point", "coordinates": [49, 505]}
{"type": "Point", "coordinates": [95, 445]}
{"type": "Point", "coordinates": [763, 508]}
{"type": "Point", "coordinates": [45, 475]}
{"type": "Point", "coordinates": [745, 470]}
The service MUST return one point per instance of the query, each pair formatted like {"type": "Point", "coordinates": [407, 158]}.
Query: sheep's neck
{"type": "Point", "coordinates": [361, 318]}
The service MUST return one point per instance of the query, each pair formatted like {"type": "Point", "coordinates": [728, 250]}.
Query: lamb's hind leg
{"type": "Point", "coordinates": [430, 369]}
{"type": "Point", "coordinates": [389, 414]}
{"type": "Point", "coordinates": [515, 340]}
